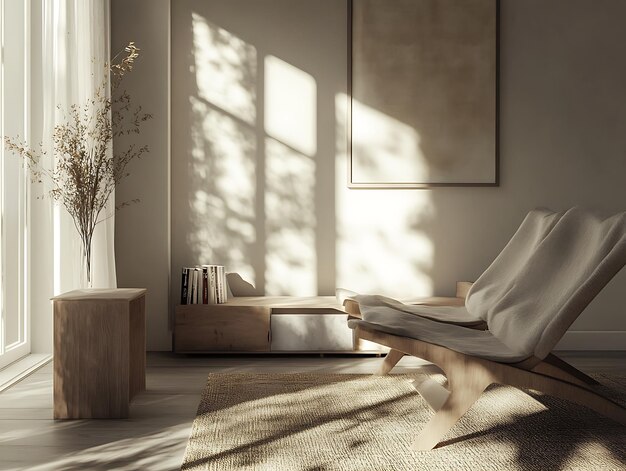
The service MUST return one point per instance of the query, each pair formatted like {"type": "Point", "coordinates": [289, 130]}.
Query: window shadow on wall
{"type": "Point", "coordinates": [259, 158]}
{"type": "Point", "coordinates": [252, 180]}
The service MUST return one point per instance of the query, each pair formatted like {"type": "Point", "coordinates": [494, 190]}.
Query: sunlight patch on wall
{"type": "Point", "coordinates": [290, 105]}
{"type": "Point", "coordinates": [225, 69]}
{"type": "Point", "coordinates": [290, 222]}
{"type": "Point", "coordinates": [384, 148]}
{"type": "Point", "coordinates": [222, 191]}
{"type": "Point", "coordinates": [382, 243]}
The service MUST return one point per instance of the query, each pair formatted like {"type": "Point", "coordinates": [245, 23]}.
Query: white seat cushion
{"type": "Point", "coordinates": [479, 343]}
{"type": "Point", "coordinates": [457, 315]}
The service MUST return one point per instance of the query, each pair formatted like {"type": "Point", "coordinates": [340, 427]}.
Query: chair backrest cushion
{"type": "Point", "coordinates": [494, 283]}
{"type": "Point", "coordinates": [552, 268]}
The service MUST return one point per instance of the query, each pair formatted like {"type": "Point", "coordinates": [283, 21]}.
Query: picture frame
{"type": "Point", "coordinates": [423, 93]}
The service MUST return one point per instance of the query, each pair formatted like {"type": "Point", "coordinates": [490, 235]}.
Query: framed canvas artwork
{"type": "Point", "coordinates": [424, 93]}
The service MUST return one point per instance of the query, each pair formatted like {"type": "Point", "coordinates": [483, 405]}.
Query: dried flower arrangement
{"type": "Point", "coordinates": [85, 170]}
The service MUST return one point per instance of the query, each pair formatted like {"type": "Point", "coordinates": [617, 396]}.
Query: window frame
{"type": "Point", "coordinates": [21, 347]}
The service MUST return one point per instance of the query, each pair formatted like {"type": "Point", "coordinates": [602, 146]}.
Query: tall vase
{"type": "Point", "coordinates": [86, 278]}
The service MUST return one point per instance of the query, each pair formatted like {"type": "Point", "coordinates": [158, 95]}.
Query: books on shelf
{"type": "Point", "coordinates": [204, 284]}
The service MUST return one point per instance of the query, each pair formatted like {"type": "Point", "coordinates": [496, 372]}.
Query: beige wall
{"type": "Point", "coordinates": [253, 190]}
{"type": "Point", "coordinates": [41, 248]}
{"type": "Point", "coordinates": [142, 230]}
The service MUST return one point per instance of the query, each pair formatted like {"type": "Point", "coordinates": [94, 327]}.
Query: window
{"type": "Point", "coordinates": [14, 118]}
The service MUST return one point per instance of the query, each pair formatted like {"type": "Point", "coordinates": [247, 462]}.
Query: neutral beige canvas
{"type": "Point", "coordinates": [424, 92]}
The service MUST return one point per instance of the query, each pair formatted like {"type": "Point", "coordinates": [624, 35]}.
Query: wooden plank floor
{"type": "Point", "coordinates": [155, 436]}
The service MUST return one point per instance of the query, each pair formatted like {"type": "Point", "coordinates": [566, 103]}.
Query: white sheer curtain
{"type": "Point", "coordinates": [76, 45]}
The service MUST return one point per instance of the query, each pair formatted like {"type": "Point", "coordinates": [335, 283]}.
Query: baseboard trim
{"type": "Point", "coordinates": [593, 340]}
{"type": "Point", "coordinates": [22, 368]}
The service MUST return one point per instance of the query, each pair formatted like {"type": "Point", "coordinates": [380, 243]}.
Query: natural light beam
{"type": "Point", "coordinates": [225, 69]}
{"type": "Point", "coordinates": [290, 105]}
{"type": "Point", "coordinates": [291, 259]}
{"type": "Point", "coordinates": [222, 190]}
{"type": "Point", "coordinates": [382, 244]}
{"type": "Point", "coordinates": [384, 148]}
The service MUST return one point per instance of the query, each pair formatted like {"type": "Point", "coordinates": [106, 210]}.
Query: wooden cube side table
{"type": "Point", "coordinates": [99, 352]}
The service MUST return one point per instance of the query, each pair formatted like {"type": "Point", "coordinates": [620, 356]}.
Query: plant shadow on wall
{"type": "Point", "coordinates": [222, 196]}
{"type": "Point", "coordinates": [260, 158]}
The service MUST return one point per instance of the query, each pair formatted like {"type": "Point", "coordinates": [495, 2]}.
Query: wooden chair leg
{"type": "Point", "coordinates": [557, 368]}
{"type": "Point", "coordinates": [469, 376]}
{"type": "Point", "coordinates": [462, 397]}
{"type": "Point", "coordinates": [391, 359]}
{"type": "Point", "coordinates": [570, 392]}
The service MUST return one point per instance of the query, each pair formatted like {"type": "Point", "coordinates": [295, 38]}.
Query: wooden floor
{"type": "Point", "coordinates": [155, 436]}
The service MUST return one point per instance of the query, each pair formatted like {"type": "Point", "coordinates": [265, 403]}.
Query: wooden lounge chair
{"type": "Point", "coordinates": [552, 268]}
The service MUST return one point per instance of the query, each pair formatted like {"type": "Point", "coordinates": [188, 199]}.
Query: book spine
{"type": "Point", "coordinates": [205, 286]}
{"type": "Point", "coordinates": [189, 284]}
{"type": "Point", "coordinates": [184, 286]}
{"type": "Point", "coordinates": [193, 285]}
{"type": "Point", "coordinates": [218, 292]}
{"type": "Point", "coordinates": [229, 293]}
{"type": "Point", "coordinates": [225, 284]}
{"type": "Point", "coordinates": [213, 285]}
{"type": "Point", "coordinates": [222, 284]}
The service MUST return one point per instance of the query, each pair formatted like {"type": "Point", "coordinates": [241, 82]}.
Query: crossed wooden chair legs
{"type": "Point", "coordinates": [469, 376]}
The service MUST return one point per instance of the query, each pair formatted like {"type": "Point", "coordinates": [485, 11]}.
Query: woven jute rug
{"type": "Point", "coordinates": [317, 422]}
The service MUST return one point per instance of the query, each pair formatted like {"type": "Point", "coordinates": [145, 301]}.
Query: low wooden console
{"type": "Point", "coordinates": [222, 328]}
{"type": "Point", "coordinates": [277, 324]}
